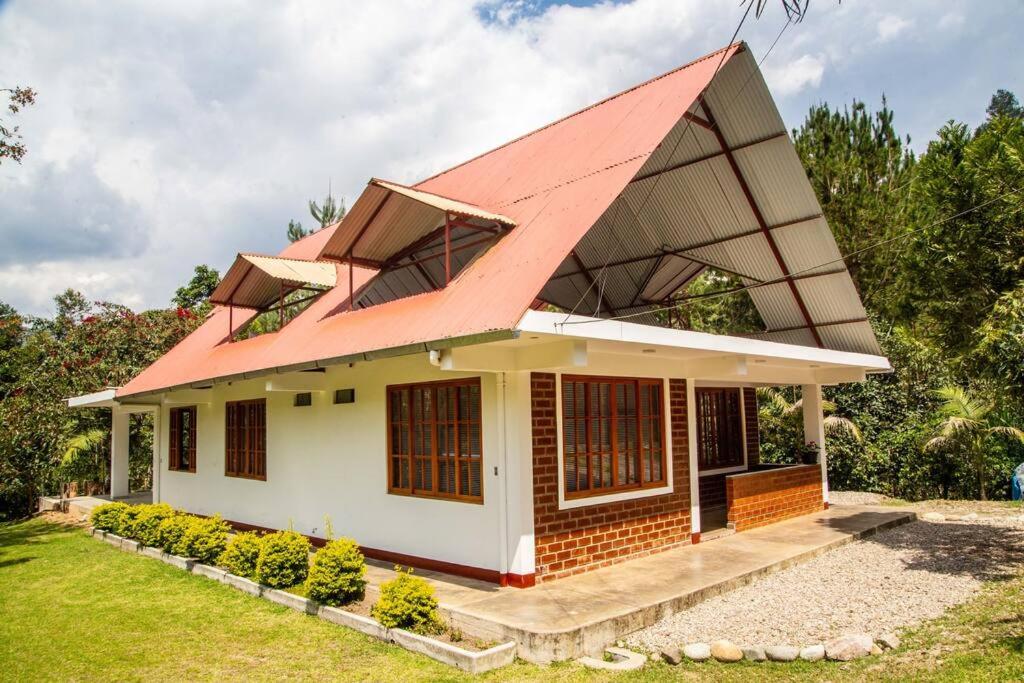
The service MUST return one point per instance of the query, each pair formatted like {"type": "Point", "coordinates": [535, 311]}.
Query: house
{"type": "Point", "coordinates": [482, 373]}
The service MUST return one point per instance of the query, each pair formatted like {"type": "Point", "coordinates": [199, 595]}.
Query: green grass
{"type": "Point", "coordinates": [74, 608]}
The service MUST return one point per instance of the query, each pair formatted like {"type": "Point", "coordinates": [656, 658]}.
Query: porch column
{"type": "Point", "coordinates": [119, 452]}
{"type": "Point", "coordinates": [691, 438]}
{"type": "Point", "coordinates": [156, 455]}
{"type": "Point", "coordinates": [517, 467]}
{"type": "Point", "coordinates": [814, 430]}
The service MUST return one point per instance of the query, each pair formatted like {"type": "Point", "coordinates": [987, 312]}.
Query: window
{"type": "Point", "coordinates": [719, 428]}
{"type": "Point", "coordinates": [344, 395]}
{"type": "Point", "coordinates": [434, 440]}
{"type": "Point", "coordinates": [303, 399]}
{"type": "Point", "coordinates": [612, 435]}
{"type": "Point", "coordinates": [245, 441]}
{"type": "Point", "coordinates": [182, 447]}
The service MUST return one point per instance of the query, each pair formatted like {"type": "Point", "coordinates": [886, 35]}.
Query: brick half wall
{"type": "Point", "coordinates": [593, 536]}
{"type": "Point", "coordinates": [772, 495]}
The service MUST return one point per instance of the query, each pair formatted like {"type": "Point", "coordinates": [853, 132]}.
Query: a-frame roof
{"type": "Point", "coordinates": [563, 186]}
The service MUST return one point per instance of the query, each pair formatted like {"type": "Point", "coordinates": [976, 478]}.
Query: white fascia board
{"type": "Point", "coordinates": [98, 399]}
{"type": "Point", "coordinates": [582, 327]}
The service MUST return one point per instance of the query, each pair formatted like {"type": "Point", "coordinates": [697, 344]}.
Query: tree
{"type": "Point", "coordinates": [330, 212]}
{"type": "Point", "coordinates": [967, 427]}
{"type": "Point", "coordinates": [11, 146]}
{"type": "Point", "coordinates": [195, 294]}
{"type": "Point", "coordinates": [1004, 103]}
{"type": "Point", "coordinates": [861, 170]}
{"type": "Point", "coordinates": [782, 417]}
{"type": "Point", "coordinates": [296, 232]}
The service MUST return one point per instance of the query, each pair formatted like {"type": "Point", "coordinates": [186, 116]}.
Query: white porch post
{"type": "Point", "coordinates": [691, 438]}
{"type": "Point", "coordinates": [518, 470]}
{"type": "Point", "coordinates": [814, 429]}
{"type": "Point", "coordinates": [119, 452]}
{"type": "Point", "coordinates": [156, 455]}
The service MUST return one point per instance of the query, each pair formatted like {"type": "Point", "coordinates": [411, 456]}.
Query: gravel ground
{"type": "Point", "coordinates": [883, 583]}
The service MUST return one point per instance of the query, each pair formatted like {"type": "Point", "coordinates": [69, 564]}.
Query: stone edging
{"type": "Point", "coordinates": [446, 653]}
{"type": "Point", "coordinates": [842, 649]}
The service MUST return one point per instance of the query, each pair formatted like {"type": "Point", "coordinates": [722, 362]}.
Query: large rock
{"type": "Point", "coordinates": [672, 655]}
{"type": "Point", "coordinates": [781, 653]}
{"type": "Point", "coordinates": [813, 653]}
{"type": "Point", "coordinates": [725, 651]}
{"type": "Point", "coordinates": [934, 517]}
{"type": "Point", "coordinates": [698, 652]}
{"type": "Point", "coordinates": [849, 647]}
{"type": "Point", "coordinates": [889, 641]}
{"type": "Point", "coordinates": [754, 653]}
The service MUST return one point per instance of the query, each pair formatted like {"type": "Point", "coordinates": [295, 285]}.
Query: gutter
{"type": "Point", "coordinates": [377, 354]}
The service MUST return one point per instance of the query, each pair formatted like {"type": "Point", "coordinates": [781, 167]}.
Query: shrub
{"type": "Point", "coordinates": [145, 526]}
{"type": "Point", "coordinates": [284, 559]}
{"type": "Point", "coordinates": [171, 530]}
{"type": "Point", "coordinates": [336, 573]}
{"type": "Point", "coordinates": [107, 516]}
{"type": "Point", "coordinates": [241, 554]}
{"type": "Point", "coordinates": [408, 602]}
{"type": "Point", "coordinates": [204, 538]}
{"type": "Point", "coordinates": [126, 521]}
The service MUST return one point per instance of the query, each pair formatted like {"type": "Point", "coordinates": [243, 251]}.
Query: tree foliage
{"type": "Point", "coordinates": [194, 296]}
{"type": "Point", "coordinates": [11, 146]}
{"type": "Point", "coordinates": [85, 347]}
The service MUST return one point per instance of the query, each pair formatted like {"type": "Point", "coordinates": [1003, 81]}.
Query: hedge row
{"type": "Point", "coordinates": [335, 575]}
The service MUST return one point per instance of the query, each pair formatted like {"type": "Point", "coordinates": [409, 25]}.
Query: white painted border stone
{"type": "Point", "coordinates": [446, 653]}
{"type": "Point", "coordinates": [356, 622]}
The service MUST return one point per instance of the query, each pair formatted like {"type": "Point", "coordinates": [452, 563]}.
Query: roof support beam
{"type": "Point", "coordinates": [848, 321]}
{"type": "Point", "coordinates": [763, 224]}
{"type": "Point", "coordinates": [708, 157]}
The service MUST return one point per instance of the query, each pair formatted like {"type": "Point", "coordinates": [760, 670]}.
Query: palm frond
{"type": "Point", "coordinates": [937, 443]}
{"type": "Point", "coordinates": [1005, 430]}
{"type": "Point", "coordinates": [834, 424]}
{"type": "Point", "coordinates": [79, 443]}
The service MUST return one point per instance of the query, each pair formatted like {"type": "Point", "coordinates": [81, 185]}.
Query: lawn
{"type": "Point", "coordinates": [74, 608]}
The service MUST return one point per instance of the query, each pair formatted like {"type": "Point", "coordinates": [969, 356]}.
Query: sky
{"type": "Point", "coordinates": [169, 134]}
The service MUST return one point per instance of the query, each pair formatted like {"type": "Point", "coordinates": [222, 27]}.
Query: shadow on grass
{"type": "Point", "coordinates": [15, 561]}
{"type": "Point", "coordinates": [986, 552]}
{"type": "Point", "coordinates": [13, 534]}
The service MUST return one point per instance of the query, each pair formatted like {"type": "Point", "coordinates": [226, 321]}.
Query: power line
{"type": "Point", "coordinates": [766, 283]}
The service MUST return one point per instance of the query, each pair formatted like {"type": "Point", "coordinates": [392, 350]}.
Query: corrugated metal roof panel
{"type": "Point", "coordinates": [778, 181]}
{"type": "Point", "coordinates": [256, 280]}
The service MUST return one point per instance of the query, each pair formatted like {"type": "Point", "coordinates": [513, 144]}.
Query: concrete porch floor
{"type": "Point", "coordinates": [83, 505]}
{"type": "Point", "coordinates": [580, 615]}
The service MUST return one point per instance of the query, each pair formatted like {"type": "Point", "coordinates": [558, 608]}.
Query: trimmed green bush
{"type": "Point", "coordinates": [241, 554]}
{"type": "Point", "coordinates": [107, 516]}
{"type": "Point", "coordinates": [336, 573]}
{"type": "Point", "coordinates": [171, 530]}
{"type": "Point", "coordinates": [204, 538]}
{"type": "Point", "coordinates": [145, 526]}
{"type": "Point", "coordinates": [126, 521]}
{"type": "Point", "coordinates": [283, 560]}
{"type": "Point", "coordinates": [408, 602]}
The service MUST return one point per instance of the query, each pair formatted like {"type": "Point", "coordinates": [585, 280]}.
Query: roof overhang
{"type": "Point", "coordinates": [98, 399]}
{"type": "Point", "coordinates": [388, 218]}
{"type": "Point", "coordinates": [702, 355]}
{"type": "Point", "coordinates": [257, 280]}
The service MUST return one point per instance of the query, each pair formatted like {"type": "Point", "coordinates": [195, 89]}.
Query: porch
{"type": "Point", "coordinates": [581, 614]}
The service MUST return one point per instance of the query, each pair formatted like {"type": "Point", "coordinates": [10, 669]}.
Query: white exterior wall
{"type": "Point", "coordinates": [330, 459]}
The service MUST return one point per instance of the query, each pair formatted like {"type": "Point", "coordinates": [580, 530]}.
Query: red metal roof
{"type": "Point", "coordinates": [554, 183]}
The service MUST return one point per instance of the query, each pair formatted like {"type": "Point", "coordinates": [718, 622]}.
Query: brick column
{"type": "Point", "coordinates": [578, 539]}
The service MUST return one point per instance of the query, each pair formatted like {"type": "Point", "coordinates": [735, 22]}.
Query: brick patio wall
{"type": "Point", "coordinates": [593, 536]}
{"type": "Point", "coordinates": [759, 498]}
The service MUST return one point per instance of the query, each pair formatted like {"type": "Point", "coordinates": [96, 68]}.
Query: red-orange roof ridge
{"type": "Point", "coordinates": [740, 45]}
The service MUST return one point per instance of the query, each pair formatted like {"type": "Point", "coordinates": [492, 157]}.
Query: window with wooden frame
{"type": "Point", "coordinates": [613, 435]}
{"type": "Point", "coordinates": [435, 445]}
{"type": "Point", "coordinates": [719, 428]}
{"type": "Point", "coordinates": [245, 439]}
{"type": "Point", "coordinates": [182, 445]}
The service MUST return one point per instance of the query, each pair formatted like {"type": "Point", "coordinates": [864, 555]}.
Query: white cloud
{"type": "Point", "coordinates": [172, 134]}
{"type": "Point", "coordinates": [891, 26]}
{"type": "Point", "coordinates": [791, 77]}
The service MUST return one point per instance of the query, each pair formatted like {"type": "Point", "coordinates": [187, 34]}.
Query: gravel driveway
{"type": "Point", "coordinates": [879, 584]}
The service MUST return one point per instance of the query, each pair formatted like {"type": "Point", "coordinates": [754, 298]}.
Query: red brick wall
{"type": "Point", "coordinates": [753, 435]}
{"type": "Point", "coordinates": [576, 540]}
{"type": "Point", "coordinates": [771, 495]}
